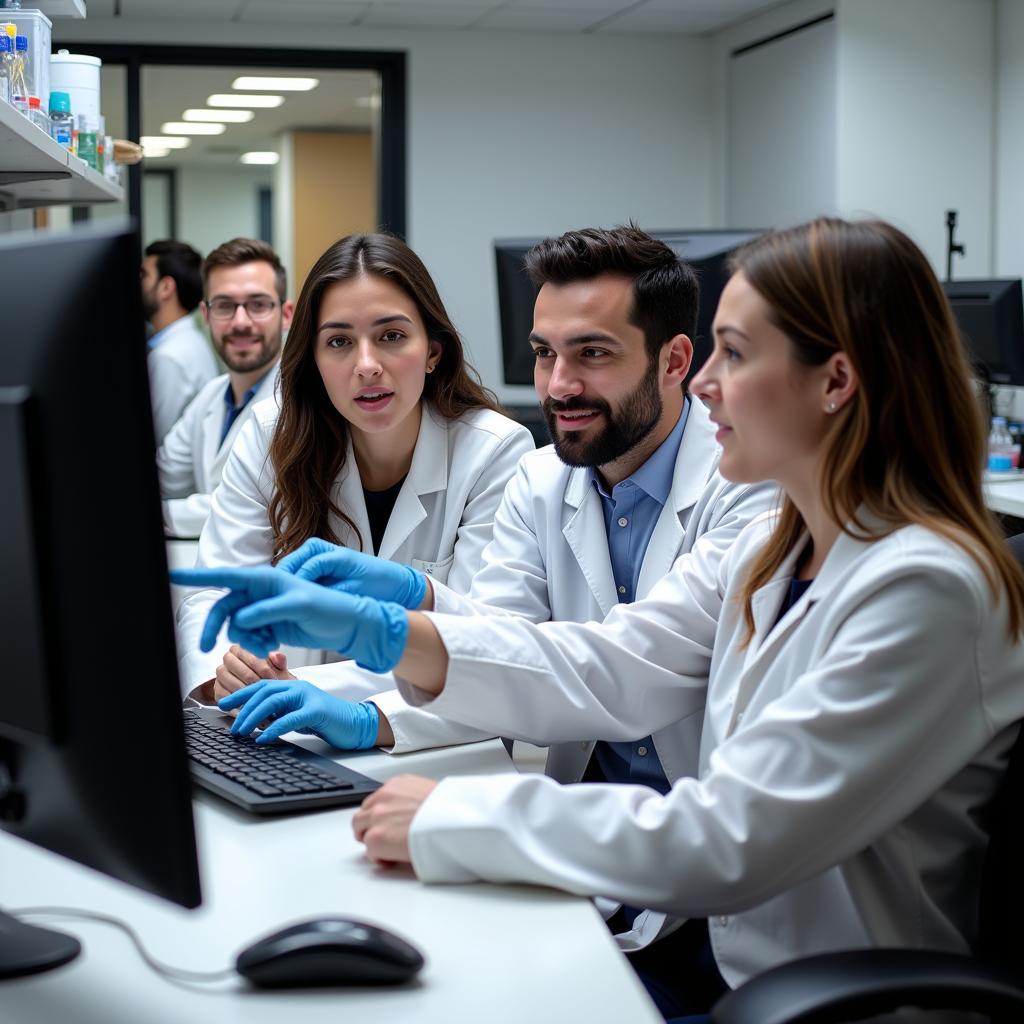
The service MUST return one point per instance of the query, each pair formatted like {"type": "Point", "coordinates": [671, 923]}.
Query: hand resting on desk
{"type": "Point", "coordinates": [383, 820]}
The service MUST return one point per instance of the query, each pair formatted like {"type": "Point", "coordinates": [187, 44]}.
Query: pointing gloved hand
{"type": "Point", "coordinates": [352, 572]}
{"type": "Point", "coordinates": [267, 608]}
{"type": "Point", "coordinates": [303, 706]}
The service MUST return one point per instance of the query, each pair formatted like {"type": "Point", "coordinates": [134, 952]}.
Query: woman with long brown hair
{"type": "Point", "coordinates": [860, 650]}
{"type": "Point", "coordinates": [382, 438]}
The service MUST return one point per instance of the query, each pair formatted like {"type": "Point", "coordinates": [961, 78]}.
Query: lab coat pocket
{"type": "Point", "coordinates": [435, 570]}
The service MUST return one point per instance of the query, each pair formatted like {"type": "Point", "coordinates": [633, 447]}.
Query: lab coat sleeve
{"type": "Point", "coordinates": [844, 755]}
{"type": "Point", "coordinates": [185, 509]}
{"type": "Point", "coordinates": [560, 681]}
{"type": "Point", "coordinates": [477, 522]}
{"type": "Point", "coordinates": [236, 533]}
{"type": "Point", "coordinates": [186, 517]}
{"type": "Point", "coordinates": [170, 390]}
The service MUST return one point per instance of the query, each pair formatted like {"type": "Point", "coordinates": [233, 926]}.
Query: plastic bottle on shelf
{"type": "Point", "coordinates": [37, 115]}
{"type": "Point", "coordinates": [1003, 454]}
{"type": "Point", "coordinates": [19, 87]}
{"type": "Point", "coordinates": [61, 121]}
{"type": "Point", "coordinates": [6, 62]}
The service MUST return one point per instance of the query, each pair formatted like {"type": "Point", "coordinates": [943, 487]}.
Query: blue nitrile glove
{"type": "Point", "coordinates": [301, 705]}
{"type": "Point", "coordinates": [352, 572]}
{"type": "Point", "coordinates": [268, 608]}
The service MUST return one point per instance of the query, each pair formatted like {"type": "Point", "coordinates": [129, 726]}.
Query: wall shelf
{"type": "Point", "coordinates": [35, 171]}
{"type": "Point", "coordinates": [58, 8]}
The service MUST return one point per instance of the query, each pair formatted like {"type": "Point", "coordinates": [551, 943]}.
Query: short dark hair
{"type": "Point", "coordinates": [666, 294]}
{"type": "Point", "coordinates": [240, 251]}
{"type": "Point", "coordinates": [180, 262]}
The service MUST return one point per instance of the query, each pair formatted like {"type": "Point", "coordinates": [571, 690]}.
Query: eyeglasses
{"type": "Point", "coordinates": [256, 309]}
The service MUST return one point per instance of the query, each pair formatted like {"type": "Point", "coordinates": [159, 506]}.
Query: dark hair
{"type": "Point", "coordinates": [666, 295]}
{"type": "Point", "coordinates": [310, 440]}
{"type": "Point", "coordinates": [909, 447]}
{"type": "Point", "coordinates": [240, 251]}
{"type": "Point", "coordinates": [181, 263]}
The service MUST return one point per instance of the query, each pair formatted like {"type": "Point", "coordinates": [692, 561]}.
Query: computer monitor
{"type": "Point", "coordinates": [991, 318]}
{"type": "Point", "coordinates": [92, 753]}
{"type": "Point", "coordinates": [706, 251]}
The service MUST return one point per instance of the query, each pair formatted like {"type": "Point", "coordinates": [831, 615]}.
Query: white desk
{"type": "Point", "coordinates": [495, 954]}
{"type": "Point", "coordinates": [1005, 494]}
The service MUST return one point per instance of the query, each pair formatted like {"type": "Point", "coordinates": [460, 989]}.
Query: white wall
{"type": "Point", "coordinates": [517, 134]}
{"type": "Point", "coordinates": [1009, 192]}
{"type": "Point", "coordinates": [216, 204]}
{"type": "Point", "coordinates": [915, 120]}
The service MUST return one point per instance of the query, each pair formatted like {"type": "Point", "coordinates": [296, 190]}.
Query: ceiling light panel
{"type": "Point", "coordinates": [234, 99]}
{"type": "Point", "coordinates": [218, 116]}
{"type": "Point", "coordinates": [263, 83]}
{"type": "Point", "coordinates": [259, 158]}
{"type": "Point", "coordinates": [164, 142]}
{"type": "Point", "coordinates": [191, 128]}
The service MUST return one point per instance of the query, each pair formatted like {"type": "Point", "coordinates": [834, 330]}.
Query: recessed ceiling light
{"type": "Point", "coordinates": [151, 153]}
{"type": "Point", "coordinates": [259, 158]}
{"type": "Point", "coordinates": [164, 142]}
{"type": "Point", "coordinates": [259, 82]}
{"type": "Point", "coordinates": [191, 128]}
{"type": "Point", "coordinates": [221, 116]}
{"type": "Point", "coordinates": [233, 99]}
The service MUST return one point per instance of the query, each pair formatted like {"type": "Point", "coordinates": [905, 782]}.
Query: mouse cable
{"type": "Point", "coordinates": [166, 970]}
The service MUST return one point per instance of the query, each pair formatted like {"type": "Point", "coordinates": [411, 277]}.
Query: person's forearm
{"type": "Point", "coordinates": [385, 734]}
{"type": "Point", "coordinates": [425, 661]}
{"type": "Point", "coordinates": [427, 604]}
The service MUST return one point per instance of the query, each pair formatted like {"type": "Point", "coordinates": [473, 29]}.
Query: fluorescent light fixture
{"type": "Point", "coordinates": [152, 153]}
{"type": "Point", "coordinates": [259, 158]}
{"type": "Point", "coordinates": [164, 142]}
{"type": "Point", "coordinates": [191, 128]}
{"type": "Point", "coordinates": [373, 102]}
{"type": "Point", "coordinates": [232, 99]}
{"type": "Point", "coordinates": [260, 83]}
{"type": "Point", "coordinates": [218, 116]}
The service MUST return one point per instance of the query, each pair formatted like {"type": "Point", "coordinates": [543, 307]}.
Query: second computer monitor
{"type": "Point", "coordinates": [990, 314]}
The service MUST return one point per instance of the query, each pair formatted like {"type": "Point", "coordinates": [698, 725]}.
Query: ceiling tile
{"type": "Point", "coordinates": [303, 12]}
{"type": "Point", "coordinates": [599, 8]}
{"type": "Point", "coordinates": [540, 20]}
{"type": "Point", "coordinates": [645, 21]}
{"type": "Point", "coordinates": [422, 16]}
{"type": "Point", "coordinates": [179, 10]}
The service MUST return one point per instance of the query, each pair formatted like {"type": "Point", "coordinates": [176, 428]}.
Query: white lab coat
{"type": "Point", "coordinates": [191, 458]}
{"type": "Point", "coordinates": [180, 363]}
{"type": "Point", "coordinates": [440, 524]}
{"type": "Point", "coordinates": [844, 757]}
{"type": "Point", "coordinates": [549, 559]}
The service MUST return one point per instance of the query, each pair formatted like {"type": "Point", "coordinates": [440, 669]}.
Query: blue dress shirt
{"type": "Point", "coordinates": [232, 411]}
{"type": "Point", "coordinates": [631, 512]}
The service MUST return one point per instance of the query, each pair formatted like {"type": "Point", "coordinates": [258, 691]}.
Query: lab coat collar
{"type": "Point", "coordinates": [766, 602]}
{"type": "Point", "coordinates": [188, 323]}
{"type": "Point", "coordinates": [427, 475]}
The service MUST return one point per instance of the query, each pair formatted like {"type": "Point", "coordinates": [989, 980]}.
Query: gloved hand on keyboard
{"type": "Point", "coordinates": [267, 608]}
{"type": "Point", "coordinates": [305, 707]}
{"type": "Point", "coordinates": [352, 572]}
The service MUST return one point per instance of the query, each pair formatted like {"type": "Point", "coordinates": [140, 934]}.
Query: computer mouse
{"type": "Point", "coordinates": [329, 951]}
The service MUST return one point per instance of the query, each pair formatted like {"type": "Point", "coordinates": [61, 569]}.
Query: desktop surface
{"type": "Point", "coordinates": [499, 953]}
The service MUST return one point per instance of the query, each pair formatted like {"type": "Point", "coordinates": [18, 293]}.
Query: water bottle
{"type": "Point", "coordinates": [61, 122]}
{"type": "Point", "coordinates": [1003, 454]}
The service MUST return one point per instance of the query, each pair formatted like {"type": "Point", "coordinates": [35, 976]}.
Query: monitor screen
{"type": "Point", "coordinates": [92, 754]}
{"type": "Point", "coordinates": [707, 252]}
{"type": "Point", "coordinates": [990, 314]}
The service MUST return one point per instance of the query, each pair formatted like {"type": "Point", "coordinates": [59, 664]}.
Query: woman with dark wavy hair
{"type": "Point", "coordinates": [382, 439]}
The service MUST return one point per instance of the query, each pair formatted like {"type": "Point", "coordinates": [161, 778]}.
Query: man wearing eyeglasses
{"type": "Point", "coordinates": [247, 314]}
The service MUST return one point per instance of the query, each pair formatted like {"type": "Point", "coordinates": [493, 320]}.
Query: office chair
{"type": "Point", "coordinates": [836, 988]}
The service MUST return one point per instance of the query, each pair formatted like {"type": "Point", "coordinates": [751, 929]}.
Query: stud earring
{"type": "Point", "coordinates": [831, 407]}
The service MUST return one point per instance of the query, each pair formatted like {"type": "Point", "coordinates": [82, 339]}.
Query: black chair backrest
{"type": "Point", "coordinates": [1001, 935]}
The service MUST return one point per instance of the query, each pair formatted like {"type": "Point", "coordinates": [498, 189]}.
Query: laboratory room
{"type": "Point", "coordinates": [513, 510]}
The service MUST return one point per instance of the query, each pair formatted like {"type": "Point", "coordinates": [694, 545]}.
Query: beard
{"type": "Point", "coordinates": [637, 416]}
{"type": "Point", "coordinates": [149, 303]}
{"type": "Point", "coordinates": [252, 359]}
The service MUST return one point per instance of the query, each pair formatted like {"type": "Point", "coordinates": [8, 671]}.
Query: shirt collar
{"type": "Point", "coordinates": [158, 337]}
{"type": "Point", "coordinates": [655, 476]}
{"type": "Point", "coordinates": [247, 396]}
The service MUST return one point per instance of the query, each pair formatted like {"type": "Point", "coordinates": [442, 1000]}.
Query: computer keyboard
{"type": "Point", "coordinates": [266, 779]}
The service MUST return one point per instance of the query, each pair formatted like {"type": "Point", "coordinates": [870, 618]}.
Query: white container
{"type": "Point", "coordinates": [79, 76]}
{"type": "Point", "coordinates": [38, 28]}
